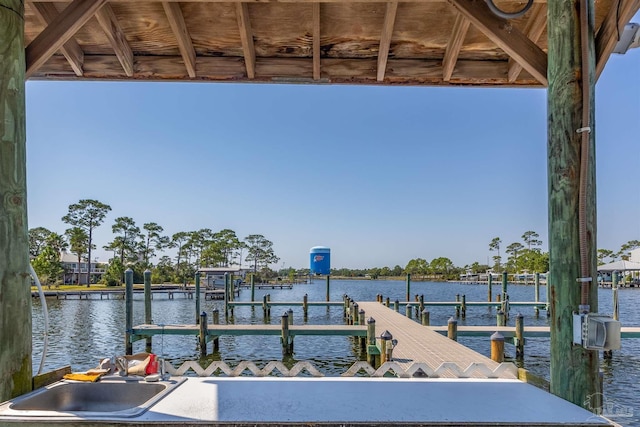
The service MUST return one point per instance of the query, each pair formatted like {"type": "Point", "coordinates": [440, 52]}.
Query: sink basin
{"type": "Point", "coordinates": [107, 398]}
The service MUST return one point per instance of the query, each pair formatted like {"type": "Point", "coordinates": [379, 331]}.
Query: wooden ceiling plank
{"type": "Point", "coordinates": [58, 32]}
{"type": "Point", "coordinates": [316, 41]}
{"type": "Point", "coordinates": [385, 38]}
{"type": "Point", "coordinates": [534, 29]}
{"type": "Point", "coordinates": [179, 27]}
{"type": "Point", "coordinates": [71, 50]}
{"type": "Point", "coordinates": [619, 15]}
{"type": "Point", "coordinates": [246, 35]}
{"type": "Point", "coordinates": [109, 23]}
{"type": "Point", "coordinates": [460, 28]}
{"type": "Point", "coordinates": [506, 37]}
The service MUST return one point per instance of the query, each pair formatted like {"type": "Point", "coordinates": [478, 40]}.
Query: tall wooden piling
{"type": "Point", "coordinates": [408, 281]}
{"type": "Point", "coordinates": [128, 311]}
{"type": "Point", "coordinates": [305, 306]}
{"type": "Point", "coordinates": [328, 285]}
{"type": "Point", "coordinates": [571, 117]}
{"type": "Point", "coordinates": [147, 306]}
{"type": "Point", "coordinates": [504, 285]}
{"type": "Point", "coordinates": [458, 305]}
{"type": "Point", "coordinates": [203, 333]}
{"type": "Point", "coordinates": [252, 280]}
{"type": "Point", "coordinates": [215, 314]}
{"type": "Point", "coordinates": [284, 338]}
{"type": "Point", "coordinates": [614, 291]}
{"type": "Point", "coordinates": [519, 339]}
{"type": "Point", "coordinates": [372, 349]}
{"type": "Point", "coordinates": [197, 280]}
{"type": "Point", "coordinates": [15, 315]}
{"type": "Point", "coordinates": [452, 329]}
{"type": "Point", "coordinates": [425, 318]}
{"type": "Point", "coordinates": [489, 290]}
{"type": "Point", "coordinates": [536, 293]}
{"type": "Point", "coordinates": [463, 306]}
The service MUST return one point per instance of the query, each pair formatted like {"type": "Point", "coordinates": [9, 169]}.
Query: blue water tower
{"type": "Point", "coordinates": [320, 260]}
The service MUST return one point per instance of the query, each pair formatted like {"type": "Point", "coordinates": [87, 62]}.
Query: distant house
{"type": "Point", "coordinates": [71, 269]}
{"type": "Point", "coordinates": [213, 277]}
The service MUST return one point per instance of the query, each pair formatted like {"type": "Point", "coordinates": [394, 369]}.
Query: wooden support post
{"type": "Point", "coordinates": [305, 306]}
{"type": "Point", "coordinates": [128, 304]}
{"type": "Point", "coordinates": [354, 314]}
{"type": "Point", "coordinates": [268, 306]}
{"type": "Point", "coordinates": [408, 286]}
{"type": "Point", "coordinates": [536, 293]}
{"type": "Point", "coordinates": [328, 281]}
{"type": "Point", "coordinates": [252, 280]}
{"type": "Point", "coordinates": [345, 307]}
{"type": "Point", "coordinates": [385, 345]}
{"type": "Point", "coordinates": [452, 329]}
{"type": "Point", "coordinates": [614, 289]}
{"type": "Point", "coordinates": [500, 321]}
{"type": "Point", "coordinates": [458, 305]}
{"type": "Point", "coordinates": [203, 334]}
{"type": "Point", "coordinates": [425, 318]}
{"type": "Point", "coordinates": [463, 306]}
{"type": "Point", "coordinates": [290, 316]}
{"type": "Point", "coordinates": [372, 349]}
{"type": "Point", "coordinates": [497, 347]}
{"type": "Point", "coordinates": [519, 339]}
{"type": "Point", "coordinates": [15, 320]}
{"type": "Point", "coordinates": [264, 307]}
{"type": "Point", "coordinates": [489, 285]}
{"type": "Point", "coordinates": [284, 339]}
{"type": "Point", "coordinates": [216, 321]}
{"type": "Point", "coordinates": [226, 300]}
{"type": "Point", "coordinates": [396, 305]}
{"type": "Point", "coordinates": [421, 301]}
{"type": "Point", "coordinates": [197, 280]}
{"type": "Point", "coordinates": [408, 310]}
{"type": "Point", "coordinates": [361, 317]}
{"type": "Point", "coordinates": [147, 306]}
{"type": "Point", "coordinates": [387, 302]}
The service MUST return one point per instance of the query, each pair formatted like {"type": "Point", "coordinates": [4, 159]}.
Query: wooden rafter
{"type": "Point", "coordinates": [109, 23]}
{"type": "Point", "coordinates": [316, 41]}
{"type": "Point", "coordinates": [58, 32]}
{"type": "Point", "coordinates": [246, 35]}
{"type": "Point", "coordinates": [460, 28]}
{"type": "Point", "coordinates": [534, 29]}
{"type": "Point", "coordinates": [385, 38]}
{"type": "Point", "coordinates": [506, 37]}
{"type": "Point", "coordinates": [619, 14]}
{"type": "Point", "coordinates": [176, 21]}
{"type": "Point", "coordinates": [71, 50]}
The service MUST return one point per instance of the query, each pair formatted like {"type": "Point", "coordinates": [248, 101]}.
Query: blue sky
{"type": "Point", "coordinates": [381, 175]}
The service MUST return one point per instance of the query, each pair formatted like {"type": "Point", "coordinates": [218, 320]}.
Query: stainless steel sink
{"type": "Point", "coordinates": [107, 398]}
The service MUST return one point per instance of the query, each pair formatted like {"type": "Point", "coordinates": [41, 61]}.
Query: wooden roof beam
{"type": "Point", "coordinates": [385, 38]}
{"type": "Point", "coordinates": [506, 37]}
{"type": "Point", "coordinates": [176, 21]}
{"type": "Point", "coordinates": [316, 41]}
{"type": "Point", "coordinates": [71, 50]}
{"type": "Point", "coordinates": [58, 32]}
{"type": "Point", "coordinates": [460, 28]}
{"type": "Point", "coordinates": [619, 15]}
{"type": "Point", "coordinates": [534, 29]}
{"type": "Point", "coordinates": [109, 23]}
{"type": "Point", "coordinates": [246, 35]}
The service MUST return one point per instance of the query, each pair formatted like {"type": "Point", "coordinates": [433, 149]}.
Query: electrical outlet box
{"type": "Point", "coordinates": [596, 331]}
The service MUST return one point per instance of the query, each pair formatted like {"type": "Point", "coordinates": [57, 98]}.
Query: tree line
{"type": "Point", "coordinates": [136, 248]}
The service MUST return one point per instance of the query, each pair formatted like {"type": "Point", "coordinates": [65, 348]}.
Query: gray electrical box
{"type": "Point", "coordinates": [596, 331]}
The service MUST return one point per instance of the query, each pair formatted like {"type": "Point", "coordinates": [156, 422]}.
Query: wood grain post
{"type": "Point", "coordinates": [568, 159]}
{"type": "Point", "coordinates": [372, 357]}
{"type": "Point", "coordinates": [385, 342]}
{"type": "Point", "coordinates": [452, 329]}
{"type": "Point", "coordinates": [614, 289]}
{"type": "Point", "coordinates": [361, 317]}
{"type": "Point", "coordinates": [519, 341]}
{"type": "Point", "coordinates": [387, 302]}
{"type": "Point", "coordinates": [226, 299]}
{"type": "Point", "coordinates": [345, 307]}
{"type": "Point", "coordinates": [408, 281]}
{"type": "Point", "coordinates": [215, 314]}
{"type": "Point", "coordinates": [356, 310]}
{"type": "Point", "coordinates": [504, 285]}
{"type": "Point", "coordinates": [147, 306]}
{"type": "Point", "coordinates": [458, 305]}
{"type": "Point", "coordinates": [285, 334]}
{"type": "Point", "coordinates": [252, 280]}
{"type": "Point", "coordinates": [536, 293]}
{"type": "Point", "coordinates": [425, 318]}
{"type": "Point", "coordinates": [463, 306]}
{"type": "Point", "coordinates": [500, 320]}
{"type": "Point", "coordinates": [396, 305]}
{"type": "Point", "coordinates": [489, 289]}
{"type": "Point", "coordinates": [264, 307]}
{"type": "Point", "coordinates": [408, 310]}
{"type": "Point", "coordinates": [328, 286]}
{"type": "Point", "coordinates": [197, 280]}
{"type": "Point", "coordinates": [497, 347]}
{"type": "Point", "coordinates": [290, 316]}
{"type": "Point", "coordinates": [128, 311]}
{"type": "Point", "coordinates": [421, 301]}
{"type": "Point", "coordinates": [305, 306]}
{"type": "Point", "coordinates": [203, 334]}
{"type": "Point", "coordinates": [15, 314]}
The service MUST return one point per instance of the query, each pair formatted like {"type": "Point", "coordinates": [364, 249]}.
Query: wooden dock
{"type": "Point", "coordinates": [417, 343]}
{"type": "Point", "coordinates": [529, 331]}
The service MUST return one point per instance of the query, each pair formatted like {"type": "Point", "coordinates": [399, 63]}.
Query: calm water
{"type": "Point", "coordinates": [81, 333]}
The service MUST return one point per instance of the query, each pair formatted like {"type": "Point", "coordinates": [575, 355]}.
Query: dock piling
{"type": "Point", "coordinates": [497, 347]}
{"type": "Point", "coordinates": [458, 305]}
{"type": "Point", "coordinates": [396, 306]}
{"type": "Point", "coordinates": [328, 281]}
{"type": "Point", "coordinates": [408, 310]}
{"type": "Point", "coordinates": [536, 292]}
{"type": "Point", "coordinates": [452, 329]}
{"type": "Point", "coordinates": [463, 306]}
{"type": "Point", "coordinates": [305, 306]}
{"type": "Point", "coordinates": [425, 318]}
{"type": "Point", "coordinates": [128, 281]}
{"type": "Point", "coordinates": [147, 306]}
{"type": "Point", "coordinates": [519, 339]}
{"type": "Point", "coordinates": [203, 334]}
{"type": "Point", "coordinates": [197, 280]}
{"type": "Point", "coordinates": [290, 315]}
{"type": "Point", "coordinates": [500, 320]}
{"type": "Point", "coordinates": [387, 302]}
{"type": "Point", "coordinates": [489, 289]}
{"type": "Point", "coordinates": [252, 280]}
{"type": "Point", "coordinates": [215, 314]}
{"type": "Point", "coordinates": [285, 335]}
{"type": "Point", "coordinates": [408, 286]}
{"type": "Point", "coordinates": [372, 349]}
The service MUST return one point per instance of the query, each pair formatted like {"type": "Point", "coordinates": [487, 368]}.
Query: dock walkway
{"type": "Point", "coordinates": [419, 344]}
